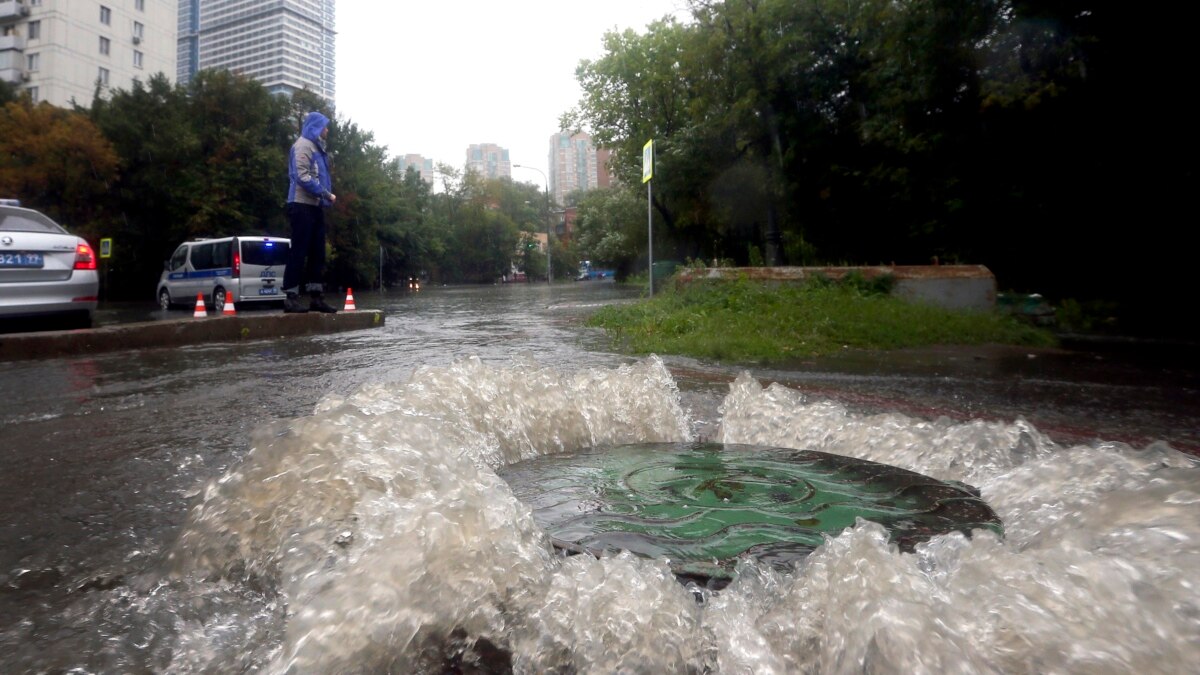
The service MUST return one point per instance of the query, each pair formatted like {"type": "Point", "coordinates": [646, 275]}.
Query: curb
{"type": "Point", "coordinates": [182, 332]}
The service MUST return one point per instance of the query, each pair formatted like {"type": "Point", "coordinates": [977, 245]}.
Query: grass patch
{"type": "Point", "coordinates": [746, 321]}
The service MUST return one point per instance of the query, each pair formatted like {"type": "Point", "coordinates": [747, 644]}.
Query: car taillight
{"type": "Point", "coordinates": [237, 265]}
{"type": "Point", "coordinates": [85, 259]}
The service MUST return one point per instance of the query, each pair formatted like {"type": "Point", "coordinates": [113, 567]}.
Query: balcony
{"type": "Point", "coordinates": [13, 75]}
{"type": "Point", "coordinates": [12, 10]}
{"type": "Point", "coordinates": [15, 42]}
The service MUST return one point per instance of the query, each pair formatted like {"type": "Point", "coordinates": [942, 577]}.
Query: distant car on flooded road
{"type": "Point", "coordinates": [45, 271]}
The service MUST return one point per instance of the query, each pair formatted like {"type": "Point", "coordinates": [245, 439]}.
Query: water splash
{"type": "Point", "coordinates": [375, 535]}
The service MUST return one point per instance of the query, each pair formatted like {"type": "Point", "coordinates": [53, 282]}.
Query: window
{"type": "Point", "coordinates": [103, 77]}
{"type": "Point", "coordinates": [105, 15]}
{"type": "Point", "coordinates": [35, 30]}
{"type": "Point", "coordinates": [137, 59]}
{"type": "Point", "coordinates": [179, 258]}
{"type": "Point", "coordinates": [266, 253]}
{"type": "Point", "coordinates": [139, 31]}
{"type": "Point", "coordinates": [33, 94]}
{"type": "Point", "coordinates": [105, 45]}
{"type": "Point", "coordinates": [33, 62]}
{"type": "Point", "coordinates": [140, 5]}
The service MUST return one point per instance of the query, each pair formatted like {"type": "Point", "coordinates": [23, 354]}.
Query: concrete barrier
{"type": "Point", "coordinates": [180, 332]}
{"type": "Point", "coordinates": [970, 287]}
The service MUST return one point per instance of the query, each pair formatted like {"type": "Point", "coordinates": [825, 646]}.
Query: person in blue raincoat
{"type": "Point", "coordinates": [309, 195]}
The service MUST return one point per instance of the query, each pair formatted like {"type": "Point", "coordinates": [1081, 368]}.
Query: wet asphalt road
{"type": "Point", "coordinates": [100, 455]}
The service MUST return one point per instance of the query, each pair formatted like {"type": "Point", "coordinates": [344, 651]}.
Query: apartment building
{"type": "Point", "coordinates": [423, 166]}
{"type": "Point", "coordinates": [576, 164]}
{"type": "Point", "coordinates": [60, 51]}
{"type": "Point", "coordinates": [489, 160]}
{"type": "Point", "coordinates": [287, 45]}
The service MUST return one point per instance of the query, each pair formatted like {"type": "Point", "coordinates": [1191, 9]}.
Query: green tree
{"type": "Point", "coordinates": [366, 184]}
{"type": "Point", "coordinates": [642, 89]}
{"type": "Point", "coordinates": [207, 159]}
{"type": "Point", "coordinates": [610, 228]}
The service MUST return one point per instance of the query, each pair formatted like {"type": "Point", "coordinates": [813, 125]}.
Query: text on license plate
{"type": "Point", "coordinates": [268, 291]}
{"type": "Point", "coordinates": [21, 259]}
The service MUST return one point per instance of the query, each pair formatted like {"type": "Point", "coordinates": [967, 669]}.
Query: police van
{"type": "Point", "coordinates": [244, 269]}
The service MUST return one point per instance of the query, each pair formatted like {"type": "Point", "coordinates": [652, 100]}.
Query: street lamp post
{"type": "Point", "coordinates": [549, 251]}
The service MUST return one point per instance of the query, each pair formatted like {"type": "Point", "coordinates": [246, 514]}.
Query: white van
{"type": "Point", "coordinates": [246, 269]}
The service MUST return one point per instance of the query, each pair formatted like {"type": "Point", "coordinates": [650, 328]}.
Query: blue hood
{"type": "Point", "coordinates": [314, 124]}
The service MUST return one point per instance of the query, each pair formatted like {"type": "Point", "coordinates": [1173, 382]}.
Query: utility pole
{"type": "Point", "coordinates": [549, 222]}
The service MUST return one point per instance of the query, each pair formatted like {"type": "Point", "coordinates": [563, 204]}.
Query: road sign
{"type": "Point", "coordinates": [648, 160]}
{"type": "Point", "coordinates": [106, 247]}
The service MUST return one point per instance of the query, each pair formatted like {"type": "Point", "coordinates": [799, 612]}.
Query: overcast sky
{"type": "Point", "coordinates": [431, 78]}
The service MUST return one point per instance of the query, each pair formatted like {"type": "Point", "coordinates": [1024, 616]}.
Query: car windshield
{"type": "Point", "coordinates": [27, 221]}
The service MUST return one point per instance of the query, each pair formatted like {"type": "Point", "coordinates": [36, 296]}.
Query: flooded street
{"type": "Point", "coordinates": [334, 504]}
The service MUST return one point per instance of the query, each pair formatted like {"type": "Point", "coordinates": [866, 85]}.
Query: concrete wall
{"type": "Point", "coordinates": [969, 287]}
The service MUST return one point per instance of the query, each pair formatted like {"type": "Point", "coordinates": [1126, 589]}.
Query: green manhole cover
{"type": "Point", "coordinates": [702, 506]}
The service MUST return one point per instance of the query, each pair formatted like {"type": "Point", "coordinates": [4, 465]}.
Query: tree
{"type": "Point", "coordinates": [366, 184]}
{"type": "Point", "coordinates": [207, 159]}
{"type": "Point", "coordinates": [641, 89]}
{"type": "Point", "coordinates": [610, 228]}
{"type": "Point", "coordinates": [58, 162]}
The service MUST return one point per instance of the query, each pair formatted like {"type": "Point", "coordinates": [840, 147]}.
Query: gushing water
{"type": "Point", "coordinates": [376, 536]}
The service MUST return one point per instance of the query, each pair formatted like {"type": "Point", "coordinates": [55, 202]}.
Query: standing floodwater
{"type": "Point", "coordinates": [334, 504]}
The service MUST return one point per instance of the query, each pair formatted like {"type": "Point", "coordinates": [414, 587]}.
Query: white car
{"type": "Point", "coordinates": [245, 269]}
{"type": "Point", "coordinates": [44, 270]}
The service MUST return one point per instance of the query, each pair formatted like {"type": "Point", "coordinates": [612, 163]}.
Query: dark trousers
{"type": "Point", "coordinates": [306, 261]}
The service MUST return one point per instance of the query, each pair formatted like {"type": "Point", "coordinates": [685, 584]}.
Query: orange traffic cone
{"type": "Point", "coordinates": [229, 310]}
{"type": "Point", "coordinates": [199, 313]}
{"type": "Point", "coordinates": [350, 300]}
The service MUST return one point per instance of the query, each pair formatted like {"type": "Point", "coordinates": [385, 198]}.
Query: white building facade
{"type": "Point", "coordinates": [287, 45]}
{"type": "Point", "coordinates": [60, 51]}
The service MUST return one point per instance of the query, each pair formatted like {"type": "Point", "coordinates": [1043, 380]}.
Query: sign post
{"type": "Point", "coordinates": [647, 174]}
{"type": "Point", "coordinates": [105, 254]}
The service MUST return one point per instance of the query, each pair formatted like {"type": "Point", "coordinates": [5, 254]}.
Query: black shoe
{"type": "Point", "coordinates": [318, 304]}
{"type": "Point", "coordinates": [291, 305]}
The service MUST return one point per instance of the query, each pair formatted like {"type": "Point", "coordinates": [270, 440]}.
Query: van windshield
{"type": "Point", "coordinates": [265, 253]}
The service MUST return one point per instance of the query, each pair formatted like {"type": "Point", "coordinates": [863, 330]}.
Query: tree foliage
{"type": "Point", "coordinates": [874, 131]}
{"type": "Point", "coordinates": [57, 161]}
{"type": "Point", "coordinates": [159, 164]}
{"type": "Point", "coordinates": [1008, 133]}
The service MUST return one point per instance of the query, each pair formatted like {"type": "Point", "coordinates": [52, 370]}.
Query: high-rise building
{"type": "Point", "coordinates": [489, 160]}
{"type": "Point", "coordinates": [423, 166]}
{"type": "Point", "coordinates": [60, 51]}
{"type": "Point", "coordinates": [287, 45]}
{"type": "Point", "coordinates": [575, 164]}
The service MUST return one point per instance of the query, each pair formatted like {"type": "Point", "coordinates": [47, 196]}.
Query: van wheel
{"type": "Point", "coordinates": [218, 299]}
{"type": "Point", "coordinates": [164, 299]}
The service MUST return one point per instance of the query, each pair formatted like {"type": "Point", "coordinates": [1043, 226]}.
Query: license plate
{"type": "Point", "coordinates": [21, 259]}
{"type": "Point", "coordinates": [268, 291]}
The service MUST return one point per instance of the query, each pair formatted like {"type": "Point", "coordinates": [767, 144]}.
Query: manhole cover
{"type": "Point", "coordinates": [702, 506]}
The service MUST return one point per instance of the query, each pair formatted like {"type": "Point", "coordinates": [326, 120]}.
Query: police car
{"type": "Point", "coordinates": [246, 269]}
{"type": "Point", "coordinates": [45, 271]}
